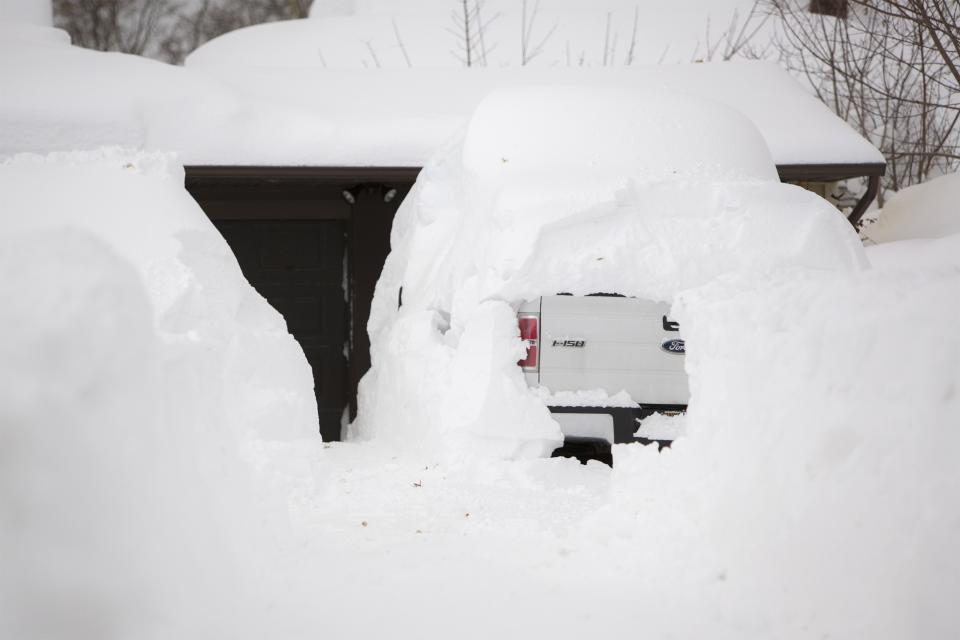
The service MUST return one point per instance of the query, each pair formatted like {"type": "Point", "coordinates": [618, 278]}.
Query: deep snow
{"type": "Point", "coordinates": [922, 211]}
{"type": "Point", "coordinates": [141, 381]}
{"type": "Point", "coordinates": [160, 475]}
{"type": "Point", "coordinates": [815, 493]}
{"type": "Point", "coordinates": [220, 111]}
{"type": "Point", "coordinates": [525, 204]}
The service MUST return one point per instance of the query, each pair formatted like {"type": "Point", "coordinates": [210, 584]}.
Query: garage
{"type": "Point", "coordinates": [312, 241]}
{"type": "Point", "coordinates": [308, 210]}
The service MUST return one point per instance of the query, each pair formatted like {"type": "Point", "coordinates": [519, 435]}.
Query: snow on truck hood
{"type": "Point", "coordinates": [644, 193]}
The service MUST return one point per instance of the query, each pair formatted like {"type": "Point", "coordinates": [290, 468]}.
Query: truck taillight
{"type": "Point", "coordinates": [530, 334]}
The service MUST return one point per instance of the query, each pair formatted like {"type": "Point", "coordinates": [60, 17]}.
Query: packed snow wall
{"type": "Point", "coordinates": [562, 189]}
{"type": "Point", "coordinates": [141, 377]}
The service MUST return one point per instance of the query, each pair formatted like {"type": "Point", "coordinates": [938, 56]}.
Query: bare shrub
{"type": "Point", "coordinates": [890, 69]}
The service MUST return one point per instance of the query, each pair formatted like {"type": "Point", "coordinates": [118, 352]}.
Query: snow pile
{"type": "Point", "coordinates": [819, 463]}
{"type": "Point", "coordinates": [140, 375]}
{"type": "Point", "coordinates": [927, 210]}
{"type": "Point", "coordinates": [557, 189]}
{"type": "Point", "coordinates": [813, 494]}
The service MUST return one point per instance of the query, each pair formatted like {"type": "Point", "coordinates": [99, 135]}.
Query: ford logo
{"type": "Point", "coordinates": [674, 346]}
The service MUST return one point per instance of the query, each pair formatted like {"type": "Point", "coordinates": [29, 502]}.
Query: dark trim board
{"type": "Point", "coordinates": [273, 174]}
{"type": "Point", "coordinates": [285, 175]}
{"type": "Point", "coordinates": [829, 172]}
{"type": "Point", "coordinates": [834, 173]}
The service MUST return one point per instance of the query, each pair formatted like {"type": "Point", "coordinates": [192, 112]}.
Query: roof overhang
{"type": "Point", "coordinates": [224, 174]}
{"type": "Point", "coordinates": [278, 174]}
{"type": "Point", "coordinates": [829, 172]}
{"type": "Point", "coordinates": [306, 177]}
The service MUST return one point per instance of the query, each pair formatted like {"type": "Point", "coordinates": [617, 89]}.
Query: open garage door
{"type": "Point", "coordinates": [298, 266]}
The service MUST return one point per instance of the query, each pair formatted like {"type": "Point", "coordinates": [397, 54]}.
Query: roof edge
{"type": "Point", "coordinates": [297, 174]}
{"type": "Point", "coordinates": [830, 172]}
{"type": "Point", "coordinates": [314, 174]}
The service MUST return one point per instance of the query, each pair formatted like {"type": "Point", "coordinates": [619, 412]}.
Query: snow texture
{"type": "Point", "coordinates": [813, 492]}
{"type": "Point", "coordinates": [221, 111]}
{"type": "Point", "coordinates": [584, 398]}
{"type": "Point", "coordinates": [158, 470]}
{"type": "Point", "coordinates": [427, 33]}
{"type": "Point", "coordinates": [140, 378]}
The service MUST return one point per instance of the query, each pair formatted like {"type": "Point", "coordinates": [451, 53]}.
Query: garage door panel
{"type": "Point", "coordinates": [298, 267]}
{"type": "Point", "coordinates": [310, 309]}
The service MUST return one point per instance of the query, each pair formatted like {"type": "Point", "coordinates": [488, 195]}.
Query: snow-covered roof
{"type": "Point", "coordinates": [58, 97]}
{"type": "Point", "coordinates": [430, 33]}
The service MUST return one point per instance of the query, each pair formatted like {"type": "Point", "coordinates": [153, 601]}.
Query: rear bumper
{"type": "Point", "coordinates": [614, 424]}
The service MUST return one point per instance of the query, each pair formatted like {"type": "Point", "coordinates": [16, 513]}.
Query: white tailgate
{"type": "Point", "coordinates": [621, 348]}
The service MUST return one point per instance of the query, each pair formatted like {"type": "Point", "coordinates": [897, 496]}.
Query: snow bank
{"type": "Point", "coordinates": [927, 210]}
{"type": "Point", "coordinates": [526, 204]}
{"type": "Point", "coordinates": [819, 463]}
{"type": "Point", "coordinates": [140, 376]}
{"type": "Point", "coordinates": [814, 493]}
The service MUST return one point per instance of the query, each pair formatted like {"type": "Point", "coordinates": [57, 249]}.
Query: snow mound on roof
{"type": "Point", "coordinates": [227, 109]}
{"type": "Point", "coordinates": [140, 376]}
{"type": "Point", "coordinates": [927, 210]}
{"type": "Point", "coordinates": [59, 97]}
{"type": "Point", "coordinates": [497, 219]}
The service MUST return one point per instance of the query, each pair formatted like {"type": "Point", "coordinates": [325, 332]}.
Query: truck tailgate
{"type": "Point", "coordinates": [612, 343]}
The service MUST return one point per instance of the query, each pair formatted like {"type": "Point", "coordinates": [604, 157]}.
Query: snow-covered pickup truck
{"type": "Point", "coordinates": [604, 362]}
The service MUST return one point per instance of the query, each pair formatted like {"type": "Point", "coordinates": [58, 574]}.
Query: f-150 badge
{"type": "Point", "coordinates": [569, 343]}
{"type": "Point", "coordinates": [674, 346]}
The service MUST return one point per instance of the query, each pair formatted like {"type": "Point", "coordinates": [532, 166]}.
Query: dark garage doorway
{"type": "Point", "coordinates": [298, 266]}
{"type": "Point", "coordinates": [312, 241]}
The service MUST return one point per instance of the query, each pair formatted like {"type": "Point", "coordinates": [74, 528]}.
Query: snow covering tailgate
{"type": "Point", "coordinates": [612, 343]}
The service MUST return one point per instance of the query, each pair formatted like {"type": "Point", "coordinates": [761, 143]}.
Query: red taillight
{"type": "Point", "coordinates": [529, 333]}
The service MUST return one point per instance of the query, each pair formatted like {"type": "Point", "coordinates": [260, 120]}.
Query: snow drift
{"type": "Point", "coordinates": [558, 189]}
{"type": "Point", "coordinates": [813, 492]}
{"type": "Point", "coordinates": [817, 473]}
{"type": "Point", "coordinates": [927, 210]}
{"type": "Point", "coordinates": [140, 376]}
